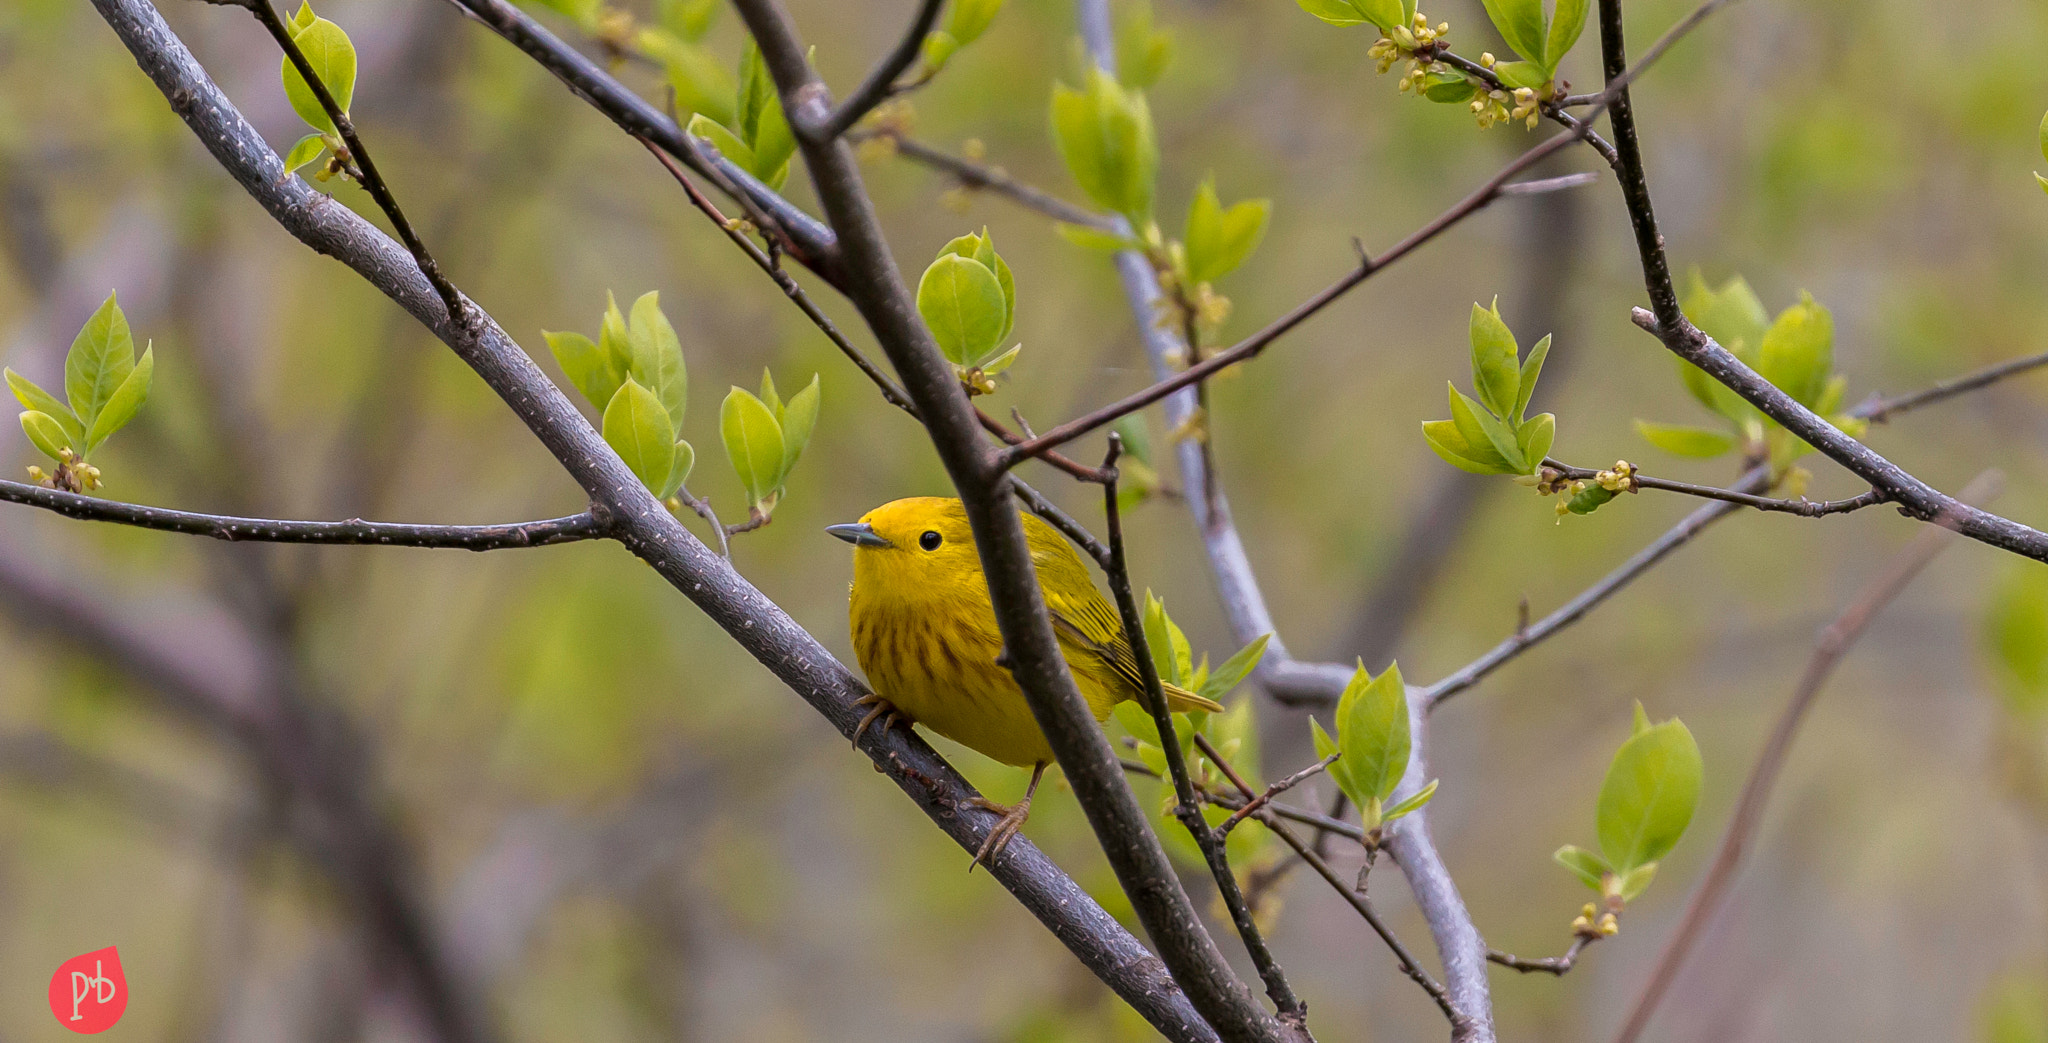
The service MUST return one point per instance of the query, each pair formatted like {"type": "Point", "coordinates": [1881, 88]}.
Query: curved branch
{"type": "Point", "coordinates": [355, 531]}
{"type": "Point", "coordinates": [1802, 506]}
{"type": "Point", "coordinates": [881, 82]}
{"type": "Point", "coordinates": [646, 528]}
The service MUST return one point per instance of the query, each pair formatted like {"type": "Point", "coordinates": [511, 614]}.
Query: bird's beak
{"type": "Point", "coordinates": [860, 534]}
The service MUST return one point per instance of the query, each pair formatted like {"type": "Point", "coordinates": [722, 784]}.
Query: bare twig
{"type": "Point", "coordinates": [1802, 506]}
{"type": "Point", "coordinates": [359, 156]}
{"type": "Point", "coordinates": [1254, 805]}
{"type": "Point", "coordinates": [1357, 900]}
{"type": "Point", "coordinates": [1251, 346]}
{"type": "Point", "coordinates": [881, 81]}
{"type": "Point", "coordinates": [1834, 643]}
{"type": "Point", "coordinates": [994, 179]}
{"type": "Point", "coordinates": [1879, 410]}
{"type": "Point", "coordinates": [575, 527]}
{"type": "Point", "coordinates": [1557, 965]}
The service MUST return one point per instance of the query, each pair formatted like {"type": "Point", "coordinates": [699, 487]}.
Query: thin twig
{"type": "Point", "coordinates": [1834, 643]}
{"type": "Point", "coordinates": [1359, 902]}
{"type": "Point", "coordinates": [575, 527]}
{"type": "Point", "coordinates": [881, 82]}
{"type": "Point", "coordinates": [359, 155]}
{"type": "Point", "coordinates": [1253, 806]}
{"type": "Point", "coordinates": [1557, 965]}
{"type": "Point", "coordinates": [982, 176]}
{"type": "Point", "coordinates": [1188, 807]}
{"type": "Point", "coordinates": [1802, 506]}
{"type": "Point", "coordinates": [1258, 342]}
{"type": "Point", "coordinates": [1878, 410]}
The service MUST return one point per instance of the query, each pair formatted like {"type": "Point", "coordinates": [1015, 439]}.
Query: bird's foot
{"type": "Point", "coordinates": [1013, 817]}
{"type": "Point", "coordinates": [883, 710]}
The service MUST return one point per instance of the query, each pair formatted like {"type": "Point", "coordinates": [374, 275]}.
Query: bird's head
{"type": "Point", "coordinates": [919, 536]}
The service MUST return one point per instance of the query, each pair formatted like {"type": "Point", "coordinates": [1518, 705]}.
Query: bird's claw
{"type": "Point", "coordinates": [1013, 818]}
{"type": "Point", "coordinates": [883, 710]}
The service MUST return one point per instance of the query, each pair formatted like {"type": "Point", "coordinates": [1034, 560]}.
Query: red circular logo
{"type": "Point", "coordinates": [89, 993]}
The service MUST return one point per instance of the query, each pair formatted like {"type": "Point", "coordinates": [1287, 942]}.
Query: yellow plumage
{"type": "Point", "coordinates": [926, 635]}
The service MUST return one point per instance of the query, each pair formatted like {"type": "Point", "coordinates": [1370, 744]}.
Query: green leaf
{"type": "Point", "coordinates": [1219, 240]}
{"type": "Point", "coordinates": [798, 418]}
{"type": "Point", "coordinates": [1142, 51]}
{"type": "Point", "coordinates": [966, 20]}
{"type": "Point", "coordinates": [1324, 745]}
{"type": "Point", "coordinates": [1341, 12]}
{"type": "Point", "coordinates": [1481, 429]}
{"type": "Point", "coordinates": [982, 249]}
{"type": "Point", "coordinates": [1413, 802]}
{"type": "Point", "coordinates": [2016, 640]}
{"type": "Point", "coordinates": [1496, 374]}
{"type": "Point", "coordinates": [730, 147]}
{"type": "Point", "coordinates": [1104, 133]}
{"type": "Point", "coordinates": [1372, 730]}
{"type": "Point", "coordinates": [1447, 86]}
{"type": "Point", "coordinates": [1535, 437]}
{"type": "Point", "coordinates": [304, 151]}
{"type": "Point", "coordinates": [1652, 789]}
{"type": "Point", "coordinates": [2044, 137]}
{"type": "Point", "coordinates": [1681, 440]}
{"type": "Point", "coordinates": [962, 302]}
{"type": "Point", "coordinates": [333, 59]}
{"type": "Point", "coordinates": [679, 471]}
{"type": "Point", "coordinates": [1633, 882]}
{"type": "Point", "coordinates": [1639, 721]}
{"type": "Point", "coordinates": [589, 368]}
{"type": "Point", "coordinates": [34, 397]}
{"type": "Point", "coordinates": [658, 358]}
{"type": "Point", "coordinates": [1001, 362]}
{"type": "Point", "coordinates": [761, 124]}
{"type": "Point", "coordinates": [1586, 865]}
{"type": "Point", "coordinates": [101, 357]}
{"type": "Point", "coordinates": [1098, 238]}
{"type": "Point", "coordinates": [939, 48]}
{"type": "Point", "coordinates": [1798, 351]}
{"type": "Point", "coordinates": [753, 442]}
{"type": "Point", "coordinates": [704, 86]}
{"type": "Point", "coordinates": [1732, 314]}
{"type": "Point", "coordinates": [46, 434]}
{"type": "Point", "coordinates": [1234, 669]}
{"type": "Point", "coordinates": [301, 18]}
{"type": "Point", "coordinates": [125, 402]}
{"type": "Point", "coordinates": [1532, 367]}
{"type": "Point", "coordinates": [1522, 74]}
{"type": "Point", "coordinates": [1171, 654]}
{"type": "Point", "coordinates": [1521, 24]}
{"type": "Point", "coordinates": [2043, 181]}
{"type": "Point", "coordinates": [638, 429]}
{"type": "Point", "coordinates": [1446, 442]}
{"type": "Point", "coordinates": [690, 19]}
{"type": "Point", "coordinates": [769, 397]}
{"type": "Point", "coordinates": [1565, 25]}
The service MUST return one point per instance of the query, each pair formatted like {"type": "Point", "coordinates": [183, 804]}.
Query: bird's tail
{"type": "Point", "coordinates": [1180, 700]}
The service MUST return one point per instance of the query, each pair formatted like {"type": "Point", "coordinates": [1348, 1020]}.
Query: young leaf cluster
{"type": "Point", "coordinates": [634, 373]}
{"type": "Point", "coordinates": [1103, 131]}
{"type": "Point", "coordinates": [1373, 744]}
{"type": "Point", "coordinates": [756, 137]}
{"type": "Point", "coordinates": [1233, 733]}
{"type": "Point", "coordinates": [1215, 241]}
{"type": "Point", "coordinates": [1648, 799]}
{"type": "Point", "coordinates": [969, 299]}
{"type": "Point", "coordinates": [1796, 352]}
{"type": "Point", "coordinates": [764, 436]}
{"type": "Point", "coordinates": [333, 59]}
{"type": "Point", "coordinates": [1143, 50]}
{"type": "Point", "coordinates": [1490, 435]}
{"type": "Point", "coordinates": [106, 386]}
{"type": "Point", "coordinates": [1542, 42]}
{"type": "Point", "coordinates": [966, 20]}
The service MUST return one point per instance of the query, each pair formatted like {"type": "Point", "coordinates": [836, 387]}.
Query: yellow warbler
{"type": "Point", "coordinates": [926, 635]}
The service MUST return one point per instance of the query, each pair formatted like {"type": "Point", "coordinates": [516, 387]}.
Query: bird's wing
{"type": "Point", "coordinates": [1094, 616]}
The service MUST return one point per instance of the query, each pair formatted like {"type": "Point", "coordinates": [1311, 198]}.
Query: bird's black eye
{"type": "Point", "coordinates": [929, 541]}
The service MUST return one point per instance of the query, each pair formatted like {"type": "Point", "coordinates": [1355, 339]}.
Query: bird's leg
{"type": "Point", "coordinates": [884, 710]}
{"type": "Point", "coordinates": [1012, 820]}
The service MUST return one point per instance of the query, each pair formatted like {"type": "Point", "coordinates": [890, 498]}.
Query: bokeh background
{"type": "Point", "coordinates": [616, 826]}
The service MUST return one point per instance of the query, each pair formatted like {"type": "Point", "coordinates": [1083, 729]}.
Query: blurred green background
{"type": "Point", "coordinates": [622, 828]}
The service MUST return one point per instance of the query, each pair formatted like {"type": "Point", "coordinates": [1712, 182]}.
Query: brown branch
{"type": "Point", "coordinates": [991, 178]}
{"type": "Point", "coordinates": [1256, 804]}
{"type": "Point", "coordinates": [881, 81]}
{"type": "Point", "coordinates": [1556, 965]}
{"type": "Point", "coordinates": [1880, 410]}
{"type": "Point", "coordinates": [1834, 643]}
